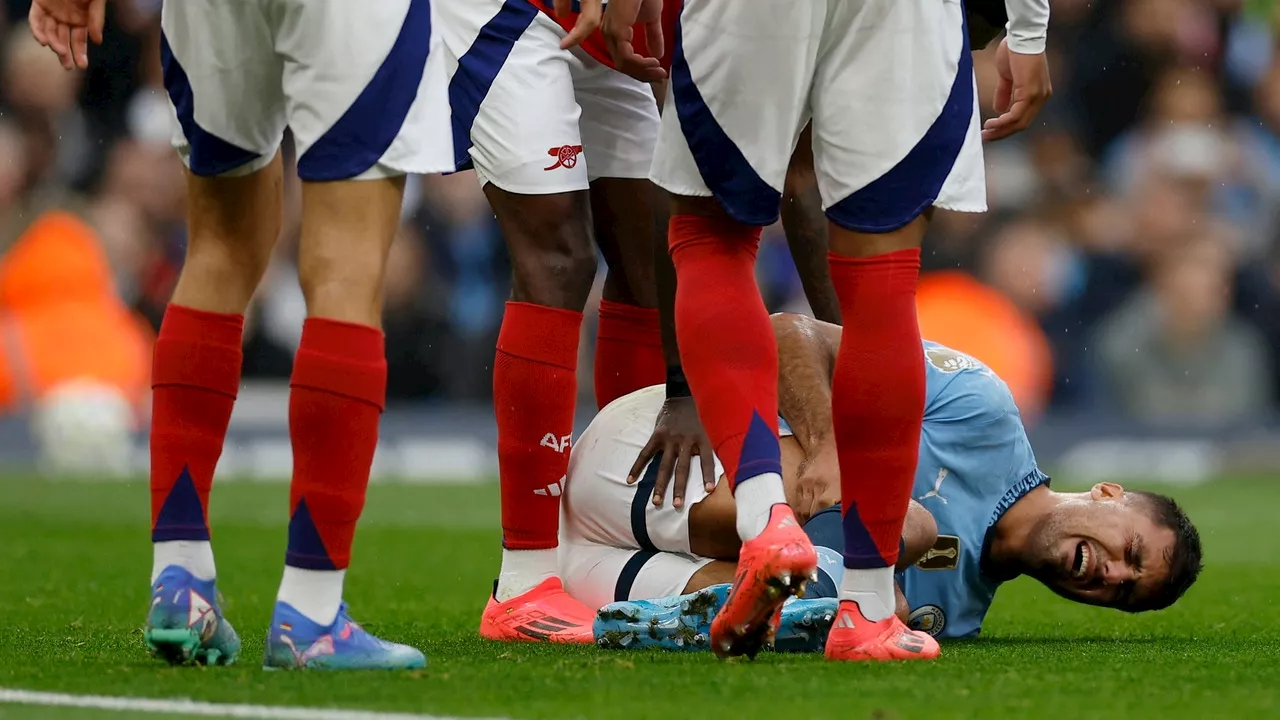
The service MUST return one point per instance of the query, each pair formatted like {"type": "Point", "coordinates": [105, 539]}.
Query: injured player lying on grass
{"type": "Point", "coordinates": [982, 514]}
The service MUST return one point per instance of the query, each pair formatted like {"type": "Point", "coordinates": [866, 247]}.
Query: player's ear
{"type": "Point", "coordinates": [1106, 491]}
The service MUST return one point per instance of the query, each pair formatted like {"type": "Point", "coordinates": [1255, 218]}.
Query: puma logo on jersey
{"type": "Point", "coordinates": [554, 489]}
{"type": "Point", "coordinates": [566, 157]}
{"type": "Point", "coordinates": [937, 487]}
{"type": "Point", "coordinates": [560, 445]}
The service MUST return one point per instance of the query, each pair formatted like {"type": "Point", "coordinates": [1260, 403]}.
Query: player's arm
{"type": "Point", "coordinates": [1023, 69]}
{"type": "Point", "coordinates": [919, 533]}
{"type": "Point", "coordinates": [806, 364]}
{"type": "Point", "coordinates": [678, 433]}
{"type": "Point", "coordinates": [806, 228]}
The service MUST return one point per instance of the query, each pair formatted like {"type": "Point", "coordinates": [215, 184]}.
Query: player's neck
{"type": "Point", "coordinates": [1004, 557]}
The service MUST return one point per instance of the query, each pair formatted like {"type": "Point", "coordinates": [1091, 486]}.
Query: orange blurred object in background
{"type": "Point", "coordinates": [962, 313]}
{"type": "Point", "coordinates": [60, 318]}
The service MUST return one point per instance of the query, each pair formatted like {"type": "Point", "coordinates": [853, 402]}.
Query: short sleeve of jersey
{"type": "Point", "coordinates": [973, 427]}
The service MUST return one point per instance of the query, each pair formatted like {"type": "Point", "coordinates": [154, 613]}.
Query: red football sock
{"type": "Point", "coordinates": [337, 393]}
{"type": "Point", "coordinates": [878, 400]}
{"type": "Point", "coordinates": [727, 347]}
{"type": "Point", "coordinates": [535, 390]}
{"type": "Point", "coordinates": [195, 375]}
{"type": "Point", "coordinates": [628, 351]}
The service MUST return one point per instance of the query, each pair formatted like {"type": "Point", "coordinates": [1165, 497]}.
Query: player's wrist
{"type": "Point", "coordinates": [1026, 45]}
{"type": "Point", "coordinates": [677, 385]}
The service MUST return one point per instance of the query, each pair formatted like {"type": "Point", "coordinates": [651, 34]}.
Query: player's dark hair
{"type": "Point", "coordinates": [1184, 558]}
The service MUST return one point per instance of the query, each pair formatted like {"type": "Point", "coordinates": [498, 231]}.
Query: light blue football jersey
{"type": "Point", "coordinates": [975, 462]}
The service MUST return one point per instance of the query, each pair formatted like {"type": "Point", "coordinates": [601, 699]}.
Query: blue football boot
{"type": "Point", "coordinates": [684, 622]}
{"type": "Point", "coordinates": [805, 624]}
{"type": "Point", "coordinates": [672, 623]}
{"type": "Point", "coordinates": [185, 622]}
{"type": "Point", "coordinates": [294, 641]}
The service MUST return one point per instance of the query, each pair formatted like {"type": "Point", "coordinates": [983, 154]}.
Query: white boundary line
{"type": "Point", "coordinates": [181, 706]}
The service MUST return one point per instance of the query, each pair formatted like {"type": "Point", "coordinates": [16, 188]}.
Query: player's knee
{"type": "Point", "coordinates": [553, 254]}
{"type": "Point", "coordinates": [221, 275]}
{"type": "Point", "coordinates": [347, 291]}
{"type": "Point", "coordinates": [850, 243]}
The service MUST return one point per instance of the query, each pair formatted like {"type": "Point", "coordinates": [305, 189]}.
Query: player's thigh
{"type": "Point", "coordinates": [737, 100]}
{"type": "Point", "coordinates": [597, 575]}
{"type": "Point", "coordinates": [598, 502]}
{"type": "Point", "coordinates": [224, 82]}
{"type": "Point", "coordinates": [512, 97]}
{"type": "Point", "coordinates": [601, 507]}
{"type": "Point", "coordinates": [895, 126]}
{"type": "Point", "coordinates": [619, 122]}
{"type": "Point", "coordinates": [365, 87]}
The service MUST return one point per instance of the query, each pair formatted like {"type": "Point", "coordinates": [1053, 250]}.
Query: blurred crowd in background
{"type": "Point", "coordinates": [1129, 264]}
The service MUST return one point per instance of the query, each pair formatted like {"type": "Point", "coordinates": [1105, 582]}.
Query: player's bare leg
{"type": "Point", "coordinates": [233, 223]}
{"type": "Point", "coordinates": [730, 358]}
{"type": "Point", "coordinates": [535, 387]}
{"type": "Point", "coordinates": [877, 408]}
{"type": "Point", "coordinates": [337, 394]}
{"type": "Point", "coordinates": [805, 226]}
{"type": "Point", "coordinates": [629, 350]}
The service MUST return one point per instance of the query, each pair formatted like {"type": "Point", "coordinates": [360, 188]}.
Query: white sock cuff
{"type": "Point", "coordinates": [755, 498]}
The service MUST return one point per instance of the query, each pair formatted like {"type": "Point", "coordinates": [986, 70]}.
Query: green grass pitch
{"type": "Point", "coordinates": [74, 562]}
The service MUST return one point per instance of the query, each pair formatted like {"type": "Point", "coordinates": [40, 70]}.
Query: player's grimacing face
{"type": "Point", "coordinates": [1102, 548]}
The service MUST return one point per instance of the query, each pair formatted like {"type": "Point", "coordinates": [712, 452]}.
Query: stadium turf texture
{"type": "Point", "coordinates": [74, 562]}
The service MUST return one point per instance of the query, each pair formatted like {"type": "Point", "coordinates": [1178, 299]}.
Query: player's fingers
{"type": "Point", "coordinates": [642, 68]}
{"type": "Point", "coordinates": [52, 30]}
{"type": "Point", "coordinates": [62, 46]}
{"type": "Point", "coordinates": [35, 22]}
{"type": "Point", "coordinates": [682, 475]}
{"type": "Point", "coordinates": [80, 47]}
{"type": "Point", "coordinates": [97, 19]}
{"type": "Point", "coordinates": [1004, 95]}
{"type": "Point", "coordinates": [653, 36]}
{"type": "Point", "coordinates": [1007, 124]}
{"type": "Point", "coordinates": [708, 461]}
{"type": "Point", "coordinates": [665, 466]}
{"type": "Point", "coordinates": [563, 7]}
{"type": "Point", "coordinates": [588, 22]}
{"type": "Point", "coordinates": [646, 454]}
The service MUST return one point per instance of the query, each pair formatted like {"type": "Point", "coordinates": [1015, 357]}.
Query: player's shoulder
{"type": "Point", "coordinates": [962, 388]}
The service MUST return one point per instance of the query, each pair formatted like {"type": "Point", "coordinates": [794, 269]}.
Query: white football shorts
{"type": "Point", "coordinates": [361, 84]}
{"type": "Point", "coordinates": [614, 544]}
{"type": "Point", "coordinates": [534, 119]}
{"type": "Point", "coordinates": [888, 85]}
